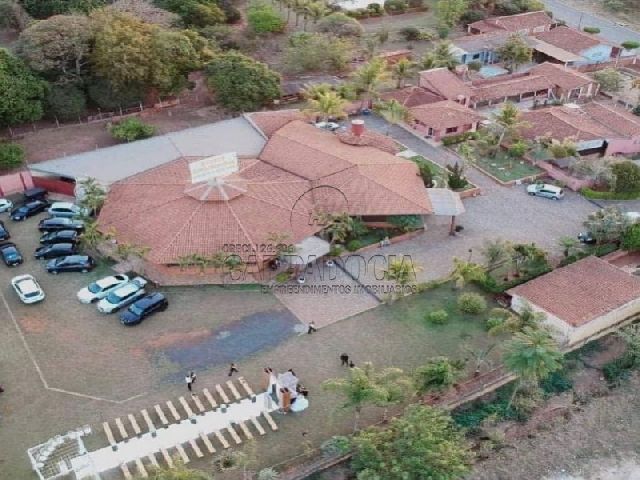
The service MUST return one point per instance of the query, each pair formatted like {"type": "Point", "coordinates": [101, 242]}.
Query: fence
{"type": "Point", "coordinates": [15, 183]}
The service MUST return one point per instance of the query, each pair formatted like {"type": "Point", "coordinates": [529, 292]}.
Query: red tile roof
{"type": "Point", "coordinates": [563, 77]}
{"type": "Point", "coordinates": [560, 123]}
{"type": "Point", "coordinates": [509, 85]}
{"type": "Point", "coordinates": [412, 96]}
{"type": "Point", "coordinates": [617, 119]}
{"type": "Point", "coordinates": [444, 83]}
{"type": "Point", "coordinates": [569, 39]}
{"type": "Point", "coordinates": [514, 23]}
{"type": "Point", "coordinates": [445, 114]}
{"type": "Point", "coordinates": [269, 122]}
{"type": "Point", "coordinates": [581, 292]}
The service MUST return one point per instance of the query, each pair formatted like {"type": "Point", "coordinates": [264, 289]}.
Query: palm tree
{"type": "Point", "coordinates": [393, 112]}
{"type": "Point", "coordinates": [496, 253]}
{"type": "Point", "coordinates": [440, 57]}
{"type": "Point", "coordinates": [370, 77]}
{"type": "Point", "coordinates": [359, 388]}
{"type": "Point", "coordinates": [480, 356]}
{"type": "Point", "coordinates": [401, 271]}
{"type": "Point", "coordinates": [93, 236]}
{"type": "Point", "coordinates": [92, 195]}
{"type": "Point", "coordinates": [569, 245]}
{"type": "Point", "coordinates": [532, 355]}
{"type": "Point", "coordinates": [509, 122]}
{"type": "Point", "coordinates": [464, 272]}
{"type": "Point", "coordinates": [402, 70]}
{"type": "Point", "coordinates": [338, 226]}
{"type": "Point", "coordinates": [326, 105]}
{"type": "Point", "coordinates": [314, 90]}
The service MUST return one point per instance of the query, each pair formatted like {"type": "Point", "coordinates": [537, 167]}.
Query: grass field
{"type": "Point", "coordinates": [507, 169]}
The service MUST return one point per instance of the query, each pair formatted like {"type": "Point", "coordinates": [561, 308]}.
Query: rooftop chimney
{"type": "Point", "coordinates": [357, 127]}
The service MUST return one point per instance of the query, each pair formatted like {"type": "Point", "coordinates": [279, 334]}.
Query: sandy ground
{"type": "Point", "coordinates": [606, 469]}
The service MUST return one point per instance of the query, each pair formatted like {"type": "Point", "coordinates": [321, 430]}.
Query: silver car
{"type": "Point", "coordinates": [67, 210]}
{"type": "Point", "coordinates": [545, 190]}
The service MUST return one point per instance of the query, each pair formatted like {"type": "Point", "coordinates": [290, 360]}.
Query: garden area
{"type": "Point", "coordinates": [506, 168]}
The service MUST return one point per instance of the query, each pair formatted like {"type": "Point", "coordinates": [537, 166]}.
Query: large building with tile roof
{"type": "Point", "coordinates": [524, 23]}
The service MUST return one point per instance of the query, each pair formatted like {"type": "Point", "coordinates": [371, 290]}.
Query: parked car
{"type": "Point", "coordinates": [27, 289]}
{"type": "Point", "coordinates": [146, 306]}
{"type": "Point", "coordinates": [331, 126]}
{"type": "Point", "coordinates": [4, 233]}
{"type": "Point", "coordinates": [545, 190]}
{"type": "Point", "coordinates": [35, 193]}
{"type": "Point", "coordinates": [71, 263]}
{"type": "Point", "coordinates": [60, 236]}
{"type": "Point", "coordinates": [10, 254]}
{"type": "Point", "coordinates": [586, 238]}
{"type": "Point", "coordinates": [101, 288]}
{"type": "Point", "coordinates": [67, 209]}
{"type": "Point", "coordinates": [123, 296]}
{"type": "Point", "coordinates": [632, 217]}
{"type": "Point", "coordinates": [5, 205]}
{"type": "Point", "coordinates": [29, 209]}
{"type": "Point", "coordinates": [55, 250]}
{"type": "Point", "coordinates": [52, 224]}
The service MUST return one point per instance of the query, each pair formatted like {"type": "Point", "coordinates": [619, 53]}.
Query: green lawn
{"type": "Point", "coordinates": [507, 169]}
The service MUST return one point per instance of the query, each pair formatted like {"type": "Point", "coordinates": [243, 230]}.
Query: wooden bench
{"type": "Point", "coordinates": [183, 454]}
{"type": "Point", "coordinates": [161, 416]}
{"type": "Point", "coordinates": [221, 439]}
{"type": "Point", "coordinates": [125, 471]}
{"type": "Point", "coordinates": [198, 402]}
{"type": "Point", "coordinates": [121, 429]}
{"type": "Point", "coordinates": [270, 421]}
{"type": "Point", "coordinates": [234, 435]}
{"type": "Point", "coordinates": [173, 410]}
{"type": "Point", "coordinates": [141, 470]}
{"type": "Point", "coordinates": [209, 398]}
{"type": "Point", "coordinates": [134, 424]}
{"type": "Point", "coordinates": [207, 443]}
{"type": "Point", "coordinates": [147, 419]}
{"type": "Point", "coordinates": [186, 407]}
{"type": "Point", "coordinates": [246, 386]}
{"type": "Point", "coordinates": [153, 460]}
{"type": "Point", "coordinates": [222, 394]}
{"type": "Point", "coordinates": [167, 457]}
{"type": "Point", "coordinates": [245, 430]}
{"type": "Point", "coordinates": [109, 434]}
{"type": "Point", "coordinates": [196, 448]}
{"type": "Point", "coordinates": [233, 389]}
{"type": "Point", "coordinates": [258, 426]}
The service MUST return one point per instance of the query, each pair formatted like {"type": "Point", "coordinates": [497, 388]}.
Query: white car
{"type": "Point", "coordinates": [66, 209]}
{"type": "Point", "coordinates": [545, 190]}
{"type": "Point", "coordinates": [5, 205]}
{"type": "Point", "coordinates": [101, 288]}
{"type": "Point", "coordinates": [331, 126]}
{"type": "Point", "coordinates": [27, 289]}
{"type": "Point", "coordinates": [123, 296]}
{"type": "Point", "coordinates": [633, 217]}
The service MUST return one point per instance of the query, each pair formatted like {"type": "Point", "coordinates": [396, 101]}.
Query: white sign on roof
{"type": "Point", "coordinates": [213, 167]}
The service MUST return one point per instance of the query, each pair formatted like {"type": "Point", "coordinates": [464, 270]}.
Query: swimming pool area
{"type": "Point", "coordinates": [488, 71]}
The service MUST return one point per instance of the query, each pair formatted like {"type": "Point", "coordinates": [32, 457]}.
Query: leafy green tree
{"type": "Point", "coordinates": [263, 18]}
{"type": "Point", "coordinates": [610, 80]}
{"type": "Point", "coordinates": [393, 112]}
{"type": "Point", "coordinates": [449, 12]}
{"type": "Point", "coordinates": [569, 245]}
{"type": "Point", "coordinates": [402, 71]}
{"type": "Point", "coordinates": [422, 444]}
{"type": "Point", "coordinates": [57, 47]}
{"type": "Point", "coordinates": [440, 57]}
{"type": "Point", "coordinates": [395, 388]}
{"type": "Point", "coordinates": [630, 335]}
{"type": "Point", "coordinates": [369, 78]}
{"type": "Point", "coordinates": [437, 375]}
{"type": "Point", "coordinates": [317, 51]}
{"type": "Point", "coordinates": [627, 177]}
{"type": "Point", "coordinates": [48, 8]}
{"type": "Point", "coordinates": [196, 13]}
{"type": "Point", "coordinates": [241, 83]}
{"type": "Point", "coordinates": [455, 176]}
{"type": "Point", "coordinates": [515, 52]}
{"type": "Point", "coordinates": [317, 10]}
{"type": "Point", "coordinates": [630, 45]}
{"type": "Point", "coordinates": [508, 121]}
{"type": "Point", "coordinates": [532, 355]}
{"type": "Point", "coordinates": [131, 129]}
{"type": "Point", "coordinates": [341, 25]}
{"type": "Point", "coordinates": [465, 272]}
{"type": "Point", "coordinates": [92, 236]}
{"type": "Point", "coordinates": [631, 238]}
{"type": "Point", "coordinates": [21, 93]}
{"type": "Point", "coordinates": [92, 194]}
{"type": "Point", "coordinates": [338, 227]}
{"type": "Point", "coordinates": [401, 271]}
{"type": "Point", "coordinates": [11, 156]}
{"type": "Point", "coordinates": [103, 95]}
{"type": "Point", "coordinates": [606, 225]}
{"type": "Point", "coordinates": [65, 102]}
{"type": "Point", "coordinates": [326, 105]}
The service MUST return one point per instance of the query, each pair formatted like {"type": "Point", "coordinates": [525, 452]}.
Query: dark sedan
{"type": "Point", "coordinates": [55, 250]}
{"type": "Point", "coordinates": [53, 224]}
{"type": "Point", "coordinates": [29, 209]}
{"type": "Point", "coordinates": [146, 306]}
{"type": "Point", "coordinates": [60, 236]}
{"type": "Point", "coordinates": [4, 233]}
{"type": "Point", "coordinates": [71, 263]}
{"type": "Point", "coordinates": [10, 254]}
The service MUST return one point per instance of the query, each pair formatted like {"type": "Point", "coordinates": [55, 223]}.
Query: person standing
{"type": "Point", "coordinates": [189, 381]}
{"type": "Point", "coordinates": [312, 328]}
{"type": "Point", "coordinates": [233, 368]}
{"type": "Point", "coordinates": [344, 359]}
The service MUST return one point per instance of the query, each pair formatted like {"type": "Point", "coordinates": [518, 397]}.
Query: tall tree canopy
{"type": "Point", "coordinates": [241, 83]}
{"type": "Point", "coordinates": [57, 47]}
{"type": "Point", "coordinates": [48, 8]}
{"type": "Point", "coordinates": [21, 93]}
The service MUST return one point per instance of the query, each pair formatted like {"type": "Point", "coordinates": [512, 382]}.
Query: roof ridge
{"type": "Point", "coordinates": [181, 229]}
{"type": "Point", "coordinates": [410, 200]}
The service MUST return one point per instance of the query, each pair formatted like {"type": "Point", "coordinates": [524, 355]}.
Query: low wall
{"type": "Point", "coordinates": [572, 183]}
{"type": "Point", "coordinates": [55, 186]}
{"type": "Point", "coordinates": [15, 183]}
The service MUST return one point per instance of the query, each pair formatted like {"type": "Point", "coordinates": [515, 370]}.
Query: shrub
{"type": "Point", "coordinates": [630, 45]}
{"type": "Point", "coordinates": [598, 195]}
{"type": "Point", "coordinates": [11, 155]}
{"type": "Point", "coordinates": [375, 9]}
{"type": "Point", "coordinates": [471, 16]}
{"type": "Point", "coordinates": [455, 177]}
{"type": "Point", "coordinates": [103, 95]}
{"type": "Point", "coordinates": [518, 149]}
{"type": "Point", "coordinates": [263, 18]}
{"type": "Point", "coordinates": [406, 223]}
{"type": "Point", "coordinates": [472, 303]}
{"type": "Point", "coordinates": [396, 6]}
{"type": "Point", "coordinates": [131, 129]}
{"type": "Point", "coordinates": [438, 317]}
{"type": "Point", "coordinates": [627, 177]}
{"type": "Point", "coordinates": [593, 30]}
{"type": "Point", "coordinates": [618, 370]}
{"type": "Point", "coordinates": [631, 238]}
{"type": "Point", "coordinates": [474, 66]}
{"type": "Point", "coordinates": [353, 245]}
{"type": "Point", "coordinates": [442, 31]}
{"type": "Point", "coordinates": [65, 102]}
{"type": "Point", "coordinates": [341, 25]}
{"type": "Point", "coordinates": [459, 138]}
{"type": "Point", "coordinates": [416, 3]}
{"type": "Point", "coordinates": [556, 383]}
{"type": "Point", "coordinates": [494, 322]}
{"type": "Point", "coordinates": [614, 5]}
{"type": "Point", "coordinates": [336, 446]}
{"type": "Point", "coordinates": [410, 34]}
{"type": "Point", "coordinates": [425, 173]}
{"type": "Point", "coordinates": [317, 51]}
